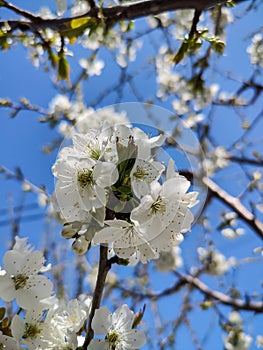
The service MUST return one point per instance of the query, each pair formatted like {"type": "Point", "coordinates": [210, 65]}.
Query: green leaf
{"type": "Point", "coordinates": [4, 44]}
{"type": "Point", "coordinates": [127, 157]}
{"type": "Point", "coordinates": [138, 317]}
{"type": "Point", "coordinates": [76, 27]}
{"type": "Point", "coordinates": [63, 68]}
{"type": "Point", "coordinates": [181, 53]}
{"type": "Point", "coordinates": [53, 58]}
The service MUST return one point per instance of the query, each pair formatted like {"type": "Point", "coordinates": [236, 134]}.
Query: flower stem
{"type": "Point", "coordinates": [104, 267]}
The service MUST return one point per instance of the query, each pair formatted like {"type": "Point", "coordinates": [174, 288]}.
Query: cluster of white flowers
{"type": "Point", "coordinates": [111, 190]}
{"type": "Point", "coordinates": [83, 117]}
{"type": "Point", "coordinates": [92, 67]}
{"type": "Point", "coordinates": [214, 262]}
{"type": "Point", "coordinates": [236, 339]}
{"type": "Point", "coordinates": [255, 50]}
{"type": "Point", "coordinates": [228, 226]}
{"type": "Point", "coordinates": [179, 23]}
{"type": "Point", "coordinates": [188, 99]}
{"type": "Point", "coordinates": [170, 260]}
{"type": "Point", "coordinates": [44, 322]}
{"type": "Point", "coordinates": [218, 158]}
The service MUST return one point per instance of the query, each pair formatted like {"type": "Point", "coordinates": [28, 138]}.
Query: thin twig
{"type": "Point", "coordinates": [196, 18]}
{"type": "Point", "coordinates": [235, 204]}
{"type": "Point", "coordinates": [18, 11]}
{"type": "Point", "coordinates": [238, 304]}
{"type": "Point", "coordinates": [103, 270]}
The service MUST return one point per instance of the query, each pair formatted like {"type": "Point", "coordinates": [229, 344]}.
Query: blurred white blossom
{"type": "Point", "coordinates": [169, 260]}
{"type": "Point", "coordinates": [214, 262]}
{"type": "Point", "coordinates": [255, 50]}
{"type": "Point", "coordinates": [259, 341]}
{"type": "Point", "coordinates": [92, 67]}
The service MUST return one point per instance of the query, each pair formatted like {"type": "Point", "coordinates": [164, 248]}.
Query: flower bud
{"type": "Point", "coordinates": [71, 229]}
{"type": "Point", "coordinates": [80, 246]}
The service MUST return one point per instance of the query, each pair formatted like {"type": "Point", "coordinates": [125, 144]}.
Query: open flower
{"type": "Point", "coordinates": [81, 185]}
{"type": "Point", "coordinates": [22, 281]}
{"type": "Point", "coordinates": [28, 331]}
{"type": "Point", "coordinates": [127, 239]}
{"type": "Point", "coordinates": [117, 327]}
{"type": "Point", "coordinates": [165, 209]}
{"type": "Point", "coordinates": [142, 174]}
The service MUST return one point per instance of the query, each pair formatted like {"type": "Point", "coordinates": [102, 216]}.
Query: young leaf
{"type": "Point", "coordinates": [76, 27]}
{"type": "Point", "coordinates": [63, 68]}
{"type": "Point", "coordinates": [180, 54]}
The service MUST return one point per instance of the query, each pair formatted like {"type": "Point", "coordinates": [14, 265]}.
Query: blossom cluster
{"type": "Point", "coordinates": [43, 322]}
{"type": "Point", "coordinates": [236, 338]}
{"type": "Point", "coordinates": [46, 323]}
{"type": "Point", "coordinates": [111, 189]}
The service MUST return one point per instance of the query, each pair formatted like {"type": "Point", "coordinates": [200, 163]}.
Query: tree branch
{"type": "Point", "coordinates": [103, 270]}
{"type": "Point", "coordinates": [113, 14]}
{"type": "Point", "coordinates": [221, 297]}
{"type": "Point", "coordinates": [18, 11]}
{"type": "Point", "coordinates": [235, 204]}
{"type": "Point", "coordinates": [195, 282]}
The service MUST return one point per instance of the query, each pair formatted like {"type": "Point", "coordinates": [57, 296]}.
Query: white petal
{"type": "Point", "coordinates": [37, 287]}
{"type": "Point", "coordinates": [175, 187]}
{"type": "Point", "coordinates": [142, 213]}
{"type": "Point", "coordinates": [61, 6]}
{"type": "Point", "coordinates": [17, 327]}
{"type": "Point", "coordinates": [7, 288]}
{"type": "Point", "coordinates": [105, 174]}
{"type": "Point", "coordinates": [98, 344]}
{"type": "Point", "coordinates": [122, 318]}
{"type": "Point", "coordinates": [13, 262]}
{"type": "Point", "coordinates": [33, 263]}
{"type": "Point", "coordinates": [136, 339]}
{"type": "Point", "coordinates": [102, 320]}
{"type": "Point", "coordinates": [140, 188]}
{"type": "Point", "coordinates": [107, 235]}
{"type": "Point", "coordinates": [9, 342]}
{"type": "Point", "coordinates": [117, 223]}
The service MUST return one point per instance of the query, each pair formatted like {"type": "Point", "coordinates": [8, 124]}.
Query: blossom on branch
{"type": "Point", "coordinates": [22, 280]}
{"type": "Point", "coordinates": [118, 330]}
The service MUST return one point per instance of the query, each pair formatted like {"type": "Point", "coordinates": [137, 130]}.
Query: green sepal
{"type": "Point", "coordinates": [138, 317]}
{"type": "Point", "coordinates": [2, 312]}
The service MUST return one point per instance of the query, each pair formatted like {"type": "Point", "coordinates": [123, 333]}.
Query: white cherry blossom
{"type": "Point", "coordinates": [28, 331]}
{"type": "Point", "coordinates": [81, 185]}
{"type": "Point", "coordinates": [117, 327]}
{"type": "Point", "coordinates": [237, 341]}
{"type": "Point", "coordinates": [22, 281]}
{"type": "Point", "coordinates": [127, 240]}
{"type": "Point", "coordinates": [215, 263]}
